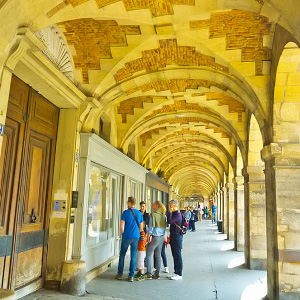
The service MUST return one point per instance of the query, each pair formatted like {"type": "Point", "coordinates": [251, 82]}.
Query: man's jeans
{"type": "Point", "coordinates": [133, 248]}
{"type": "Point", "coordinates": [176, 246]}
{"type": "Point", "coordinates": [154, 246]}
{"type": "Point", "coordinates": [213, 218]}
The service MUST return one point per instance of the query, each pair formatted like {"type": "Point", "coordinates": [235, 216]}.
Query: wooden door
{"type": "Point", "coordinates": [25, 185]}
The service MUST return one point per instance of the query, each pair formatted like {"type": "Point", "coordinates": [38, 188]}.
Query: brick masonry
{"type": "Point", "coordinates": [177, 106]}
{"type": "Point", "coordinates": [188, 120]}
{"type": "Point", "coordinates": [92, 40]}
{"type": "Point", "coordinates": [223, 99]}
{"type": "Point", "coordinates": [242, 30]}
{"type": "Point", "coordinates": [176, 85]}
{"type": "Point", "coordinates": [148, 135]}
{"type": "Point", "coordinates": [127, 107]}
{"type": "Point", "coordinates": [157, 7]}
{"type": "Point", "coordinates": [168, 53]}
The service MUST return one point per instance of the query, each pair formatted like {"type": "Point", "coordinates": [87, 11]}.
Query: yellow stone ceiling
{"type": "Point", "coordinates": [178, 79]}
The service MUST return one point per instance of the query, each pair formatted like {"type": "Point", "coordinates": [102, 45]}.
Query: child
{"type": "Point", "coordinates": [140, 257]}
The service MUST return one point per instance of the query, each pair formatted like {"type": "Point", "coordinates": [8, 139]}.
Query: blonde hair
{"type": "Point", "coordinates": [163, 209]}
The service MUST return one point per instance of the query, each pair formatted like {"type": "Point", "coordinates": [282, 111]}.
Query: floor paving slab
{"type": "Point", "coordinates": [212, 270]}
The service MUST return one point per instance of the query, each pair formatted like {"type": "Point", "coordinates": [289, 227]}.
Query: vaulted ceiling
{"type": "Point", "coordinates": [174, 76]}
{"type": "Point", "coordinates": [177, 79]}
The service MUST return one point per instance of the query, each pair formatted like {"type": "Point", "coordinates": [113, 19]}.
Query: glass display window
{"type": "Point", "coordinates": [99, 205]}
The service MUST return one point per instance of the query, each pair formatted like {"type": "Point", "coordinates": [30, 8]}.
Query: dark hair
{"type": "Point", "coordinates": [142, 203]}
{"type": "Point", "coordinates": [132, 200]}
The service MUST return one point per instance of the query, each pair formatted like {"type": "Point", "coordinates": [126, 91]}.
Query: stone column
{"type": "Point", "coordinates": [255, 218]}
{"type": "Point", "coordinates": [231, 212]}
{"type": "Point", "coordinates": [218, 203]}
{"type": "Point", "coordinates": [240, 209]}
{"type": "Point", "coordinates": [64, 182]}
{"type": "Point", "coordinates": [283, 220]}
{"type": "Point", "coordinates": [225, 210]}
{"type": "Point", "coordinates": [222, 203]}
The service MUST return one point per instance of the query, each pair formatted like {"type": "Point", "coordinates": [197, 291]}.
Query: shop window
{"type": "Point", "coordinates": [149, 204]}
{"type": "Point", "coordinates": [99, 206]}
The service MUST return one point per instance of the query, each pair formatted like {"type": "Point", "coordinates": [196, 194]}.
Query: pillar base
{"type": "Point", "coordinates": [73, 277]}
{"type": "Point", "coordinates": [289, 296]}
{"type": "Point", "coordinates": [7, 295]}
{"type": "Point", "coordinates": [259, 264]}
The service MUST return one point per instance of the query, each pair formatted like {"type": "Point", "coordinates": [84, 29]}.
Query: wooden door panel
{"type": "Point", "coordinates": [29, 266]}
{"type": "Point", "coordinates": [43, 115]}
{"type": "Point", "coordinates": [18, 99]}
{"type": "Point", "coordinates": [36, 181]}
{"type": "Point", "coordinates": [26, 170]}
{"type": "Point", "coordinates": [7, 166]}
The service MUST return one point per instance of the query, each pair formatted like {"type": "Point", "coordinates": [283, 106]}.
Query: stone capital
{"type": "Point", "coordinates": [271, 151]}
{"type": "Point", "coordinates": [230, 186]}
{"type": "Point", "coordinates": [239, 180]}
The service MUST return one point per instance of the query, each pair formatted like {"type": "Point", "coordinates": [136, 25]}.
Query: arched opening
{"type": "Point", "coordinates": [255, 201]}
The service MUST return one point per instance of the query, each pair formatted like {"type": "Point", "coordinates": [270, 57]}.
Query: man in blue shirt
{"type": "Point", "coordinates": [213, 213]}
{"type": "Point", "coordinates": [130, 227]}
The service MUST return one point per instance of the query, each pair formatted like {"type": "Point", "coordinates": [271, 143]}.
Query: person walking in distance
{"type": "Point", "coordinates": [206, 212]}
{"type": "Point", "coordinates": [130, 227]}
{"type": "Point", "coordinates": [213, 213]}
{"type": "Point", "coordinates": [176, 237]}
{"type": "Point", "coordinates": [192, 220]}
{"type": "Point", "coordinates": [155, 239]}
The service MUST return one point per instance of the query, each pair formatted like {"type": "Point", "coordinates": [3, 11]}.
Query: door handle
{"type": "Point", "coordinates": [33, 216]}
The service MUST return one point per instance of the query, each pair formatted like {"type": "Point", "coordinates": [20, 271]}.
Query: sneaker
{"type": "Point", "coordinates": [166, 270]}
{"type": "Point", "coordinates": [156, 276]}
{"type": "Point", "coordinates": [141, 277]}
{"type": "Point", "coordinates": [171, 275]}
{"type": "Point", "coordinates": [176, 277]}
{"type": "Point", "coordinates": [148, 276]}
{"type": "Point", "coordinates": [130, 279]}
{"type": "Point", "coordinates": [119, 277]}
{"type": "Point", "coordinates": [138, 274]}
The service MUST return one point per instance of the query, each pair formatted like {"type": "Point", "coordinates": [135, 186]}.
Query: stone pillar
{"type": "Point", "coordinates": [218, 203]}
{"type": "Point", "coordinates": [225, 210]}
{"type": "Point", "coordinates": [255, 218]}
{"type": "Point", "coordinates": [283, 220]}
{"type": "Point", "coordinates": [64, 182]}
{"type": "Point", "coordinates": [240, 209]}
{"type": "Point", "coordinates": [231, 212]}
{"type": "Point", "coordinates": [222, 204]}
{"type": "Point", "coordinates": [73, 278]}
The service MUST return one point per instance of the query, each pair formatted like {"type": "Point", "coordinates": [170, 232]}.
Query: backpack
{"type": "Point", "coordinates": [183, 227]}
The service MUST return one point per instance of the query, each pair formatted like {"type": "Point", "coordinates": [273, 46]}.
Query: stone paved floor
{"type": "Point", "coordinates": [212, 271]}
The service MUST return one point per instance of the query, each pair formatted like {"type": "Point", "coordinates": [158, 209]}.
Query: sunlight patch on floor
{"type": "Point", "coordinates": [255, 291]}
{"type": "Point", "coordinates": [236, 262]}
{"type": "Point", "coordinates": [227, 247]}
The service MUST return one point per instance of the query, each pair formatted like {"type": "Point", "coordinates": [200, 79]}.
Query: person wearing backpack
{"type": "Point", "coordinates": [130, 227]}
{"type": "Point", "coordinates": [177, 229]}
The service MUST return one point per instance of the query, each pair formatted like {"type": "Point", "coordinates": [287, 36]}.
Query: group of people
{"type": "Point", "coordinates": [205, 211]}
{"type": "Point", "coordinates": [146, 235]}
{"type": "Point", "coordinates": [192, 216]}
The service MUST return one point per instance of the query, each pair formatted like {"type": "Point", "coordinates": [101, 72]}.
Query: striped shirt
{"type": "Point", "coordinates": [142, 242]}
